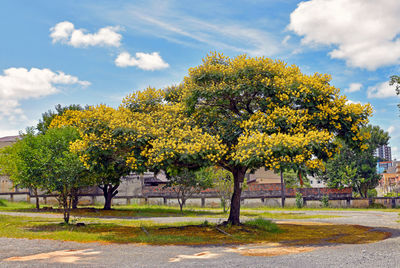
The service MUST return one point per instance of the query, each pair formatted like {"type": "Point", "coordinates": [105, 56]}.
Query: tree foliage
{"type": "Point", "coordinates": [269, 114]}
{"type": "Point", "coordinates": [24, 162]}
{"type": "Point", "coordinates": [103, 146]}
{"type": "Point", "coordinates": [44, 162]}
{"type": "Point", "coordinates": [47, 117]}
{"type": "Point", "coordinates": [354, 167]}
{"type": "Point", "coordinates": [222, 182]}
{"type": "Point", "coordinates": [64, 171]}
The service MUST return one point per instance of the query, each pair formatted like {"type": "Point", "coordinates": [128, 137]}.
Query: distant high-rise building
{"type": "Point", "coordinates": [384, 153]}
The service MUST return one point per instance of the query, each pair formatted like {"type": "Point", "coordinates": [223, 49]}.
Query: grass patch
{"type": "Point", "coordinates": [6, 205]}
{"type": "Point", "coordinates": [263, 224]}
{"type": "Point", "coordinates": [194, 233]}
{"type": "Point", "coordinates": [285, 215]}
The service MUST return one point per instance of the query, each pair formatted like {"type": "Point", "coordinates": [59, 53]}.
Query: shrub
{"type": "Point", "coordinates": [263, 224]}
{"type": "Point", "coordinates": [392, 194]}
{"type": "Point", "coordinates": [325, 201]}
{"type": "Point", "coordinates": [372, 193]}
{"type": "Point", "coordinates": [299, 200]}
{"type": "Point", "coordinates": [3, 203]}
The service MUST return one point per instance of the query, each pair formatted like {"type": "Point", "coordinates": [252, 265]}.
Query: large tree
{"type": "Point", "coordinates": [268, 114]}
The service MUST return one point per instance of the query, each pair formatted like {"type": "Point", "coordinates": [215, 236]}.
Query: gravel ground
{"type": "Point", "coordinates": [70, 254]}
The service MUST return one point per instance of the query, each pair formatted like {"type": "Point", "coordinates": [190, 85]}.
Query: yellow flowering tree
{"type": "Point", "coordinates": [104, 146]}
{"type": "Point", "coordinates": [172, 141]}
{"type": "Point", "coordinates": [266, 113]}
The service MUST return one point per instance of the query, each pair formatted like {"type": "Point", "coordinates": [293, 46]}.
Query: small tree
{"type": "Point", "coordinates": [65, 172]}
{"type": "Point", "coordinates": [25, 163]}
{"type": "Point", "coordinates": [187, 182]}
{"type": "Point", "coordinates": [44, 125]}
{"type": "Point", "coordinates": [222, 182]}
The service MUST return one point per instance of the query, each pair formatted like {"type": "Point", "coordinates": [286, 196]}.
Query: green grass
{"type": "Point", "coordinates": [6, 205]}
{"type": "Point", "coordinates": [263, 224]}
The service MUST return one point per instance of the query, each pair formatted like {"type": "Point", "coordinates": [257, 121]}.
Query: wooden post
{"type": "Point", "coordinates": [203, 202]}
{"type": "Point", "coordinates": [282, 189]}
{"type": "Point", "coordinates": [165, 201]}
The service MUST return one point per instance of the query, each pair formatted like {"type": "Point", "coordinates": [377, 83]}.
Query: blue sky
{"type": "Point", "coordinates": [92, 52]}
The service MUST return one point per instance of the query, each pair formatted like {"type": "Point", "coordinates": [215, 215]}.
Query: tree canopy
{"type": "Point", "coordinates": [269, 114]}
{"type": "Point", "coordinates": [238, 113]}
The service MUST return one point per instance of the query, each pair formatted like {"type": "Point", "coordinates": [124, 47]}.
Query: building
{"type": "Point", "coordinates": [263, 175]}
{"type": "Point", "coordinates": [316, 182]}
{"type": "Point", "coordinates": [384, 153]}
{"type": "Point", "coordinates": [383, 166]}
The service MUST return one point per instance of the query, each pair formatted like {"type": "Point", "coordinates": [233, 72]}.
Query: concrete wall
{"type": "Point", "coordinates": [208, 201]}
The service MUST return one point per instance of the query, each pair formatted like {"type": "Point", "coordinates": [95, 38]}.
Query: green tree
{"type": "Point", "coordinates": [291, 179]}
{"type": "Point", "coordinates": [222, 183]}
{"type": "Point", "coordinates": [25, 163]}
{"type": "Point", "coordinates": [64, 171]}
{"type": "Point", "coordinates": [187, 182]}
{"type": "Point", "coordinates": [357, 168]}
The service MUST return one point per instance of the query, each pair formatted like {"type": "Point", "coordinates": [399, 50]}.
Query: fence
{"type": "Point", "coordinates": [256, 195]}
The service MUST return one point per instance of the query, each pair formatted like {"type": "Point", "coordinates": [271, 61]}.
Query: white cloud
{"type": "Point", "coordinates": [353, 87]}
{"type": "Point", "coordinates": [145, 61]}
{"type": "Point", "coordinates": [352, 102]}
{"type": "Point", "coordinates": [65, 32]}
{"type": "Point", "coordinates": [19, 83]}
{"type": "Point", "coordinates": [390, 129]}
{"type": "Point", "coordinates": [381, 90]}
{"type": "Point", "coordinates": [365, 32]}
{"type": "Point", "coordinates": [11, 132]}
{"type": "Point", "coordinates": [216, 32]}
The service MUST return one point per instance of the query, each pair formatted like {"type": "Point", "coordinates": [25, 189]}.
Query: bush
{"type": "Point", "coordinates": [299, 200]}
{"type": "Point", "coordinates": [3, 203]}
{"type": "Point", "coordinates": [263, 224]}
{"type": "Point", "coordinates": [325, 201]}
{"type": "Point", "coordinates": [392, 194]}
{"type": "Point", "coordinates": [372, 193]}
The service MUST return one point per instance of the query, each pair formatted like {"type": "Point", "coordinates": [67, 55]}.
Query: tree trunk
{"type": "Point", "coordinates": [109, 192]}
{"type": "Point", "coordinates": [282, 190]}
{"type": "Point", "coordinates": [301, 180]}
{"type": "Point", "coordinates": [37, 198]}
{"type": "Point", "coordinates": [75, 198]}
{"type": "Point", "coordinates": [238, 178]}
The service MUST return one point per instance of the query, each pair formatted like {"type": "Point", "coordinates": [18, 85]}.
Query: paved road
{"type": "Point", "coordinates": [47, 253]}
